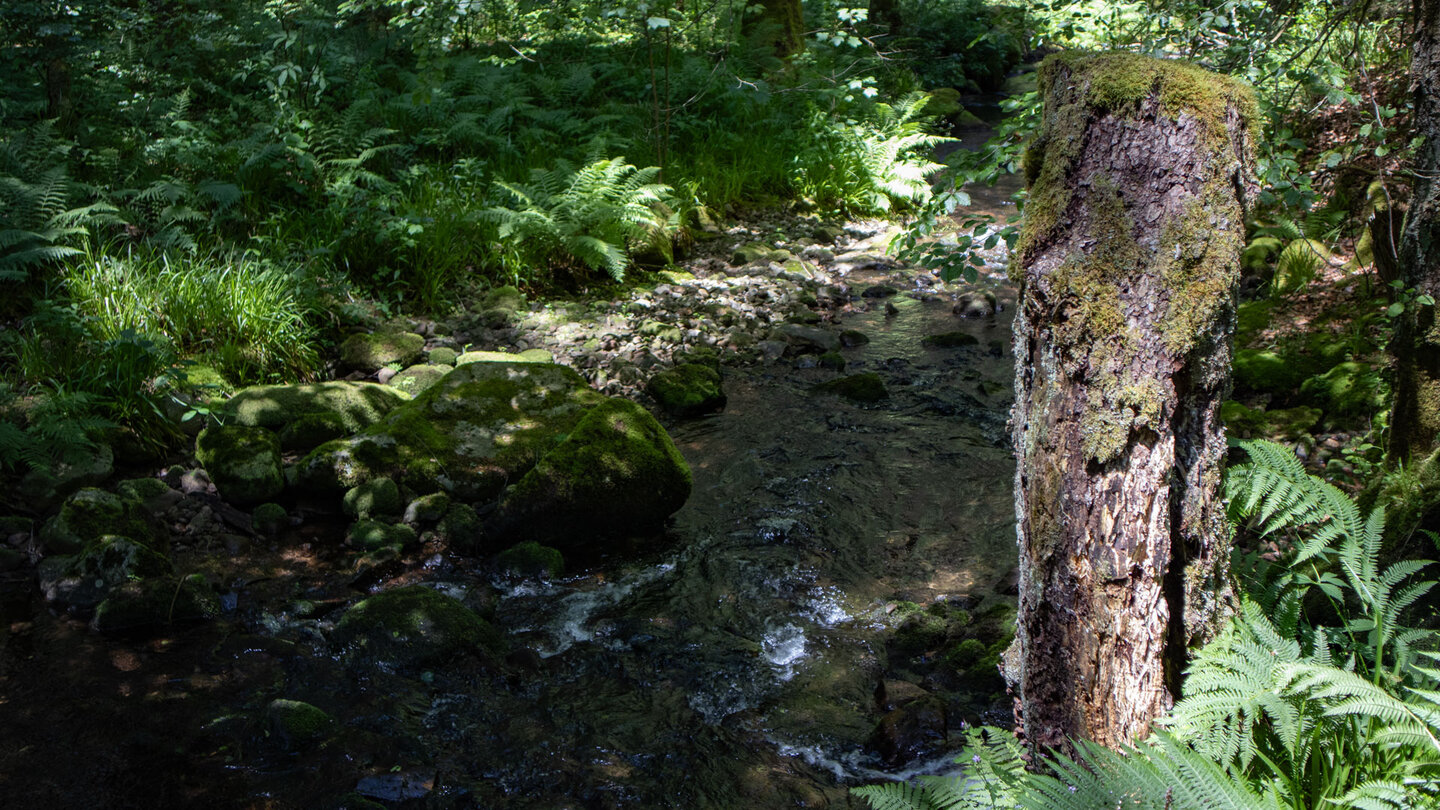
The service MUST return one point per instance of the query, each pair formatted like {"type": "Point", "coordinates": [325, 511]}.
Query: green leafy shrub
{"type": "Point", "coordinates": [38, 226]}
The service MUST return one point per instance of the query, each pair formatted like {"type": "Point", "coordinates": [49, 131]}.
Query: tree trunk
{"type": "Point", "coordinates": [1128, 261]}
{"type": "Point", "coordinates": [1415, 347]}
{"type": "Point", "coordinates": [780, 24]}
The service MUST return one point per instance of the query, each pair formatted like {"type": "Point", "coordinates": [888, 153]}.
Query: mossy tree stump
{"type": "Point", "coordinates": [1127, 264]}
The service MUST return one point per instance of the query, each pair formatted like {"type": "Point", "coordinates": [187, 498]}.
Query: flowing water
{"type": "Point", "coordinates": [736, 665]}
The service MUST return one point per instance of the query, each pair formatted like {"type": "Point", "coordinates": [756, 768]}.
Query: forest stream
{"type": "Point", "coordinates": [805, 627]}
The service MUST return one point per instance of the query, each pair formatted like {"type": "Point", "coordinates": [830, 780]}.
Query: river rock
{"type": "Point", "coordinates": [244, 462]}
{"type": "Point", "coordinates": [617, 473]}
{"type": "Point", "coordinates": [357, 405]}
{"type": "Point", "coordinates": [530, 559]}
{"type": "Point", "coordinates": [80, 582]}
{"type": "Point", "coordinates": [866, 387]}
{"type": "Point", "coordinates": [949, 340]}
{"type": "Point", "coordinates": [689, 389]}
{"type": "Point", "coordinates": [269, 519]}
{"type": "Point", "coordinates": [373, 498]}
{"type": "Point", "coordinates": [370, 535]}
{"type": "Point", "coordinates": [910, 731]}
{"type": "Point", "coordinates": [93, 513]}
{"type": "Point", "coordinates": [976, 305]}
{"type": "Point", "coordinates": [368, 352]}
{"type": "Point", "coordinates": [482, 426]}
{"type": "Point", "coordinates": [808, 338]}
{"type": "Point", "coordinates": [415, 379]}
{"type": "Point", "coordinates": [527, 356]}
{"type": "Point", "coordinates": [427, 509]}
{"type": "Point", "coordinates": [413, 626]}
{"type": "Point", "coordinates": [295, 722]}
{"type": "Point", "coordinates": [152, 603]}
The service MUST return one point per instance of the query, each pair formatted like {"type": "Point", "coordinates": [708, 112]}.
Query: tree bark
{"type": "Point", "coordinates": [1128, 264]}
{"type": "Point", "coordinates": [1415, 346]}
{"type": "Point", "coordinates": [780, 24]}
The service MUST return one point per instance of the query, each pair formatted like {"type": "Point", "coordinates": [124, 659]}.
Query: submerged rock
{"type": "Point", "coordinates": [867, 387]}
{"type": "Point", "coordinates": [413, 626]}
{"type": "Point", "coordinates": [689, 389]}
{"type": "Point", "coordinates": [617, 473]}
{"type": "Point", "coordinates": [949, 340]}
{"type": "Point", "coordinates": [244, 462]}
{"type": "Point", "coordinates": [357, 405]}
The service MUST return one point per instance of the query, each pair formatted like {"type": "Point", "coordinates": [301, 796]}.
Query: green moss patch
{"type": "Point", "coordinates": [689, 389]}
{"type": "Point", "coordinates": [415, 379]}
{"type": "Point", "coordinates": [358, 405]}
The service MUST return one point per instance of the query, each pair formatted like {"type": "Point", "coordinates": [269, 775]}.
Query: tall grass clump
{"type": "Point", "coordinates": [245, 318]}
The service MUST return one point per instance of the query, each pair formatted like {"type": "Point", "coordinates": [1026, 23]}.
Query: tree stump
{"type": "Point", "coordinates": [1127, 264]}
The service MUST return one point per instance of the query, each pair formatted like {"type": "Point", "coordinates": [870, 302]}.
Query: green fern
{"type": "Point", "coordinates": [38, 226]}
{"type": "Point", "coordinates": [584, 219]}
{"type": "Point", "coordinates": [994, 777]}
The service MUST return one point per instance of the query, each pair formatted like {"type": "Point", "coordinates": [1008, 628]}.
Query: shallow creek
{"type": "Point", "coordinates": [734, 665]}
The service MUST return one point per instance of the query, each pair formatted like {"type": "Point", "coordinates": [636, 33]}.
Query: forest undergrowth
{"type": "Point", "coordinates": [212, 198]}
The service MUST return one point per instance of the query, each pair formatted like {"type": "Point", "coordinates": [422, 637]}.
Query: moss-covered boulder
{"type": "Point", "coordinates": [297, 723]}
{"type": "Point", "coordinates": [689, 389]}
{"type": "Point", "coordinates": [427, 509]}
{"type": "Point", "coordinates": [369, 535]}
{"type": "Point", "coordinates": [368, 352]}
{"type": "Point", "coordinates": [867, 388]}
{"type": "Point", "coordinates": [312, 430]}
{"type": "Point", "coordinates": [617, 473]}
{"type": "Point", "coordinates": [244, 462]}
{"type": "Point", "coordinates": [415, 379]}
{"type": "Point", "coordinates": [441, 356]}
{"type": "Point", "coordinates": [93, 513]}
{"type": "Point", "coordinates": [152, 603]}
{"type": "Point", "coordinates": [461, 528]}
{"type": "Point", "coordinates": [413, 626]}
{"type": "Point", "coordinates": [358, 405]}
{"type": "Point", "coordinates": [1263, 371]}
{"type": "Point", "coordinates": [508, 298]}
{"type": "Point", "coordinates": [482, 426]}
{"type": "Point", "coordinates": [152, 493]}
{"type": "Point", "coordinates": [373, 498]}
{"type": "Point", "coordinates": [79, 582]}
{"type": "Point", "coordinates": [530, 559]}
{"type": "Point", "coordinates": [269, 519]}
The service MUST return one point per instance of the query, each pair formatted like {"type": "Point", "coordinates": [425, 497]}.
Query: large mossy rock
{"type": "Point", "coordinates": [413, 626]}
{"type": "Point", "coordinates": [152, 603]}
{"type": "Point", "coordinates": [617, 473]}
{"type": "Point", "coordinates": [45, 485]}
{"type": "Point", "coordinates": [80, 582]}
{"type": "Point", "coordinates": [244, 462]}
{"type": "Point", "coordinates": [357, 405]}
{"type": "Point", "coordinates": [689, 389]}
{"type": "Point", "coordinates": [1349, 389]}
{"type": "Point", "coordinates": [368, 352]}
{"type": "Point", "coordinates": [416, 379]}
{"type": "Point", "coordinates": [480, 427]}
{"type": "Point", "coordinates": [91, 513]}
